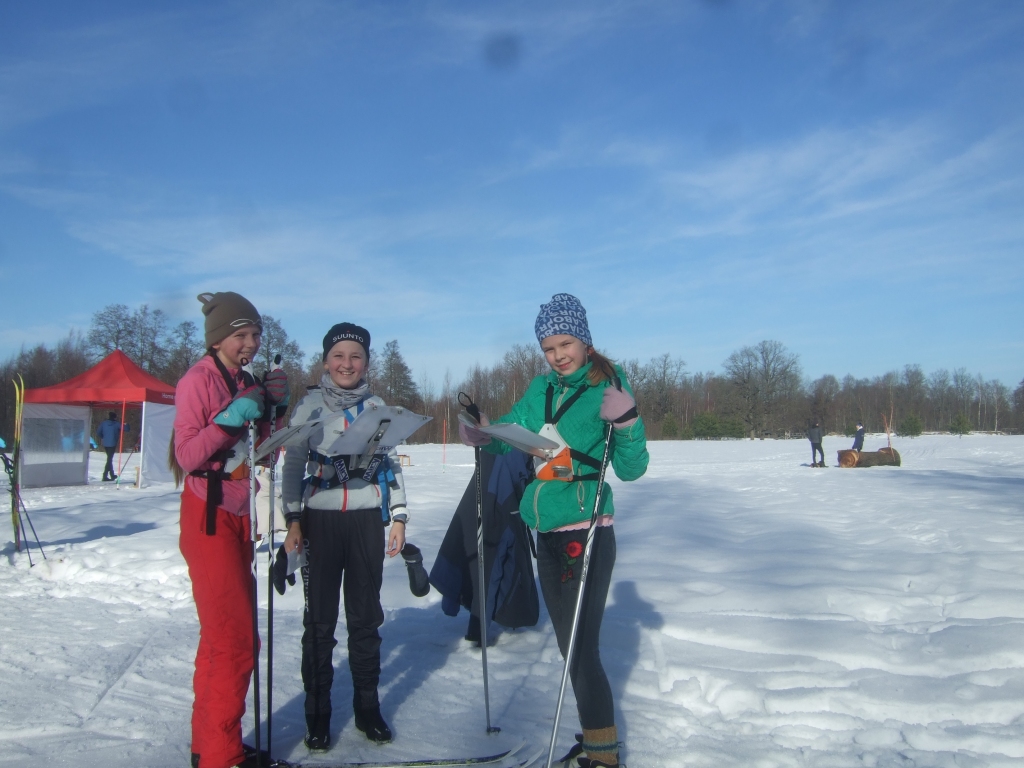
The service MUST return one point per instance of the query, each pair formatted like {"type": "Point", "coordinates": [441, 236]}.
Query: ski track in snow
{"type": "Point", "coordinates": [763, 613]}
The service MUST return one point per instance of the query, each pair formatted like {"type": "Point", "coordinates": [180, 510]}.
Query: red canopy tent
{"type": "Point", "coordinates": [58, 420]}
{"type": "Point", "coordinates": [113, 380]}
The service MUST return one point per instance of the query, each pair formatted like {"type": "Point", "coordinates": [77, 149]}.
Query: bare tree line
{"type": "Point", "coordinates": [760, 391]}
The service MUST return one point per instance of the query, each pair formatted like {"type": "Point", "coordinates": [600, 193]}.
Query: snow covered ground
{"type": "Point", "coordinates": [763, 613]}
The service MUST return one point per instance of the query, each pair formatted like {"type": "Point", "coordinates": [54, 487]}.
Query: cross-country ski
{"type": "Point", "coordinates": [510, 758]}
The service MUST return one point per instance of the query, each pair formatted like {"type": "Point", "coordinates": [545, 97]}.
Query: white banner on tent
{"type": "Point", "coordinates": [157, 423]}
{"type": "Point", "coordinates": [55, 445]}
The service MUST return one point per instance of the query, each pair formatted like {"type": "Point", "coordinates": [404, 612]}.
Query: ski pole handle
{"type": "Point", "coordinates": [471, 408]}
{"type": "Point", "coordinates": [276, 366]}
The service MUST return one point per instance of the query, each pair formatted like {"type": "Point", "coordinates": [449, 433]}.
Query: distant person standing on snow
{"type": "Point", "coordinates": [573, 403]}
{"type": "Point", "coordinates": [814, 435]}
{"type": "Point", "coordinates": [858, 439]}
{"type": "Point", "coordinates": [110, 433]}
{"type": "Point", "coordinates": [216, 400]}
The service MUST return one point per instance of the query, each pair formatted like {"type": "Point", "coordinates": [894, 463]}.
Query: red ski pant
{"type": "Point", "coordinates": [219, 566]}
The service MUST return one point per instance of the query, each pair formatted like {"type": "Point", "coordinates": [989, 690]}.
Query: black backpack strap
{"type": "Point", "coordinates": [549, 399]}
{"type": "Point", "coordinates": [589, 461]}
{"type": "Point", "coordinates": [215, 477]}
{"type": "Point", "coordinates": [214, 496]}
{"type": "Point", "coordinates": [214, 490]}
{"type": "Point", "coordinates": [552, 417]}
{"type": "Point", "coordinates": [228, 378]}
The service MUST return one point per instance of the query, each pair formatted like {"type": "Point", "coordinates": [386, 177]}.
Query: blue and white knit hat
{"type": "Point", "coordinates": [563, 314]}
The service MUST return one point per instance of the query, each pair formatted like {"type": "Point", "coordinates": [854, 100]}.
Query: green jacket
{"type": "Point", "coordinates": [550, 504]}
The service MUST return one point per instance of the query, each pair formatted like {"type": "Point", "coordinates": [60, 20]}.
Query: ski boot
{"type": "Point", "coordinates": [575, 758]}
{"type": "Point", "coordinates": [368, 717]}
{"type": "Point", "coordinates": [473, 633]}
{"type": "Point", "coordinates": [318, 733]}
{"type": "Point", "coordinates": [371, 722]}
{"type": "Point", "coordinates": [473, 630]}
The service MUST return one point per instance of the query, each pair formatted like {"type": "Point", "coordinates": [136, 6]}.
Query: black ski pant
{"type": "Point", "coordinates": [108, 470]}
{"type": "Point", "coordinates": [815, 450]}
{"type": "Point", "coordinates": [559, 573]}
{"type": "Point", "coordinates": [345, 550]}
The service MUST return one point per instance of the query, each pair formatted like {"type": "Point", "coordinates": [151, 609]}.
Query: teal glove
{"type": "Point", "coordinates": [247, 406]}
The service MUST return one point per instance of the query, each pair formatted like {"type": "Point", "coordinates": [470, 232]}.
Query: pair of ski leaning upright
{"type": "Point", "coordinates": [585, 409]}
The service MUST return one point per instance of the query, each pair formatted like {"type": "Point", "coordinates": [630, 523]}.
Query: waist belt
{"type": "Point", "coordinates": [241, 472]}
{"type": "Point", "coordinates": [215, 490]}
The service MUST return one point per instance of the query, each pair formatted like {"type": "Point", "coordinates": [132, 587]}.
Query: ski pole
{"type": "Point", "coordinates": [15, 508]}
{"type": "Point", "coordinates": [253, 533]}
{"type": "Point", "coordinates": [270, 575]}
{"type": "Point", "coordinates": [474, 411]}
{"type": "Point", "coordinates": [120, 469]}
{"type": "Point", "coordinates": [39, 544]}
{"type": "Point", "coordinates": [579, 595]}
{"type": "Point", "coordinates": [24, 535]}
{"type": "Point", "coordinates": [20, 512]}
{"type": "Point", "coordinates": [15, 472]}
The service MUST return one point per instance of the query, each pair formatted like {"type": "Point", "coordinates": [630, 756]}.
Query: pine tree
{"type": "Point", "coordinates": [910, 426]}
{"type": "Point", "coordinates": [392, 378]}
{"type": "Point", "coordinates": [705, 425]}
{"type": "Point", "coordinates": [960, 425]}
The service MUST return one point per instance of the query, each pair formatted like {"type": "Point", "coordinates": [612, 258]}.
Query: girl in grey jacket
{"type": "Point", "coordinates": [337, 512]}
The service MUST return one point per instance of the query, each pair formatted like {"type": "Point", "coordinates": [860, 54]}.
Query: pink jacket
{"type": "Point", "coordinates": [200, 395]}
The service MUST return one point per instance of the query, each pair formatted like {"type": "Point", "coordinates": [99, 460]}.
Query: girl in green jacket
{"type": "Point", "coordinates": [572, 404]}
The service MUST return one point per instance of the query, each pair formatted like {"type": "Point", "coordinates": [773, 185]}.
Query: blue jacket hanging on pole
{"type": "Point", "coordinates": [508, 547]}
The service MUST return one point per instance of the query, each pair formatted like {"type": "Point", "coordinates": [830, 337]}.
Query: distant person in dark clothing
{"type": "Point", "coordinates": [814, 435]}
{"type": "Point", "coordinates": [858, 439]}
{"type": "Point", "coordinates": [110, 432]}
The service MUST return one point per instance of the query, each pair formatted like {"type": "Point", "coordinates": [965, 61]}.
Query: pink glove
{"type": "Point", "coordinates": [276, 385]}
{"type": "Point", "coordinates": [618, 407]}
{"type": "Point", "coordinates": [473, 436]}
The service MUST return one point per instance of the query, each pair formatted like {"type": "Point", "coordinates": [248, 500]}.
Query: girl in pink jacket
{"type": "Point", "coordinates": [215, 402]}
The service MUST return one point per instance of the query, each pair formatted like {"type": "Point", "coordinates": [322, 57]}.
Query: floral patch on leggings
{"type": "Point", "coordinates": [569, 557]}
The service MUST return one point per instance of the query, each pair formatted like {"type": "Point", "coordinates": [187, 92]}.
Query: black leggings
{"type": "Point", "coordinates": [815, 450]}
{"type": "Point", "coordinates": [559, 582]}
{"type": "Point", "coordinates": [349, 546]}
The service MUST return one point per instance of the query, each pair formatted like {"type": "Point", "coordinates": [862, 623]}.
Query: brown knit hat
{"type": "Point", "coordinates": [226, 312]}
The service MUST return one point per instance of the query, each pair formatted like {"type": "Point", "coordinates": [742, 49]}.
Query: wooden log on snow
{"type": "Point", "coordinates": [886, 457]}
{"type": "Point", "coordinates": [848, 458]}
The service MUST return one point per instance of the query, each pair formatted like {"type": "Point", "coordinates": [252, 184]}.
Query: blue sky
{"type": "Point", "coordinates": [843, 177]}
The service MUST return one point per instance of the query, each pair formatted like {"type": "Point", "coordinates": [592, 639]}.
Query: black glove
{"type": "Point", "coordinates": [419, 582]}
{"type": "Point", "coordinates": [281, 574]}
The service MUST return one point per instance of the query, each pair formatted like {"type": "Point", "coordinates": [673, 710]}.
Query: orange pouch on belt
{"type": "Point", "coordinates": [557, 468]}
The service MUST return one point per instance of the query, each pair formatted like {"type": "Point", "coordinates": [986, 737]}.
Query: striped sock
{"type": "Point", "coordinates": [602, 744]}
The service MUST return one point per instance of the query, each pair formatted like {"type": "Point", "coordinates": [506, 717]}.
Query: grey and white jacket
{"type": "Point", "coordinates": [356, 493]}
